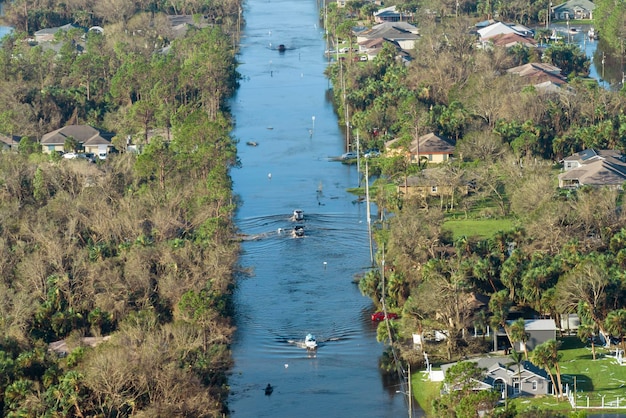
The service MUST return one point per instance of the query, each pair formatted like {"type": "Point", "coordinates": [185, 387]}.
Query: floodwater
{"type": "Point", "coordinates": [605, 67]}
{"type": "Point", "coordinates": [299, 285]}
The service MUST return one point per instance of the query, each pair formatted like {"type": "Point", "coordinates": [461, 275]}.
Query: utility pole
{"type": "Point", "coordinates": [369, 216]}
{"type": "Point", "coordinates": [410, 395]}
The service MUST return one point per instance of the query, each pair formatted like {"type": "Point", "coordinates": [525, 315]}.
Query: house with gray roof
{"type": "Point", "coordinates": [573, 10]}
{"type": "Point", "coordinates": [603, 168]}
{"type": "Point", "coordinates": [538, 332]}
{"type": "Point", "coordinates": [391, 14]}
{"type": "Point", "coordinates": [9, 142]}
{"type": "Point", "coordinates": [539, 72]}
{"type": "Point", "coordinates": [90, 139]}
{"type": "Point", "coordinates": [502, 375]}
{"type": "Point", "coordinates": [48, 34]}
{"type": "Point", "coordinates": [403, 33]}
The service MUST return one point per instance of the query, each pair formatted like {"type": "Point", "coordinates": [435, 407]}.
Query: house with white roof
{"type": "Point", "coordinates": [500, 28]}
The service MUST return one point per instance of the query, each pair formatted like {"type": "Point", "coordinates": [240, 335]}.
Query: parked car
{"type": "Point", "coordinates": [348, 156]}
{"type": "Point", "coordinates": [372, 153]}
{"type": "Point", "coordinates": [70, 155]}
{"type": "Point", "coordinates": [380, 316]}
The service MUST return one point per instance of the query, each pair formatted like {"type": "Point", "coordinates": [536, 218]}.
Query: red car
{"type": "Point", "coordinates": [380, 316]}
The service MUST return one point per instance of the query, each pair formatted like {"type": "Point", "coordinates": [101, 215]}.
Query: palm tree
{"type": "Point", "coordinates": [517, 360]}
{"type": "Point", "coordinates": [588, 330]}
{"type": "Point", "coordinates": [615, 324]}
{"type": "Point", "coordinates": [481, 321]}
{"type": "Point", "coordinates": [542, 356]}
{"type": "Point", "coordinates": [519, 334]}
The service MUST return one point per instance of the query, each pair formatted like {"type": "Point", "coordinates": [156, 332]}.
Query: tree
{"type": "Point", "coordinates": [517, 360]}
{"type": "Point", "coordinates": [568, 57]}
{"type": "Point", "coordinates": [587, 332]}
{"type": "Point", "coordinates": [71, 144]}
{"type": "Point", "coordinates": [463, 397]}
{"type": "Point", "coordinates": [586, 285]}
{"type": "Point", "coordinates": [546, 356]}
{"type": "Point", "coordinates": [499, 305]}
{"type": "Point", "coordinates": [519, 334]}
{"type": "Point", "coordinates": [615, 324]}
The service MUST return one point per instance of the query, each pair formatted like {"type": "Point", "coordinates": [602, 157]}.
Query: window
{"type": "Point", "coordinates": [534, 385]}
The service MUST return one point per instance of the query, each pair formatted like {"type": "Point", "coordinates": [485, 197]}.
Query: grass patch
{"type": "Point", "coordinates": [594, 379]}
{"type": "Point", "coordinates": [425, 391]}
{"type": "Point", "coordinates": [483, 228]}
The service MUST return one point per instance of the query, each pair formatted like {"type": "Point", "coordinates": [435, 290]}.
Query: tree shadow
{"type": "Point", "coordinates": [580, 382]}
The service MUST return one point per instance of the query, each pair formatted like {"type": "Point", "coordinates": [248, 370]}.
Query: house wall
{"type": "Point", "coordinates": [49, 149]}
{"type": "Point", "coordinates": [539, 337]}
{"type": "Point", "coordinates": [432, 158]}
{"type": "Point", "coordinates": [407, 45]}
{"type": "Point", "coordinates": [540, 388]}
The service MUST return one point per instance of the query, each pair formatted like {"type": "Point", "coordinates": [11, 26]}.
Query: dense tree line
{"type": "Point", "coordinates": [137, 248]}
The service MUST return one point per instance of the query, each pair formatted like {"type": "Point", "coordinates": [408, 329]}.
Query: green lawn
{"type": "Point", "coordinates": [483, 228]}
{"type": "Point", "coordinates": [425, 391]}
{"type": "Point", "coordinates": [594, 379]}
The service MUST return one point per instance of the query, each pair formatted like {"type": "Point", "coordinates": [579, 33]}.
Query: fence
{"type": "Point", "coordinates": [581, 401]}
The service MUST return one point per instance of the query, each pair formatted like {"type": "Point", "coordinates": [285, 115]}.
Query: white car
{"type": "Point", "coordinates": [348, 156]}
{"type": "Point", "coordinates": [70, 155]}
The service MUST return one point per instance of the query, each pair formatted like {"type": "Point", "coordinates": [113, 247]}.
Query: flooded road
{"type": "Point", "coordinates": [299, 285]}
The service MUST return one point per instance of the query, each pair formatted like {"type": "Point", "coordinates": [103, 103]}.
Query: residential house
{"type": "Point", "coordinates": [605, 168]}
{"type": "Point", "coordinates": [538, 331]}
{"type": "Point", "coordinates": [430, 147]}
{"type": "Point", "coordinates": [504, 376]}
{"type": "Point", "coordinates": [431, 183]}
{"type": "Point", "coordinates": [499, 28]}
{"type": "Point", "coordinates": [90, 139]}
{"type": "Point", "coordinates": [391, 14]}
{"type": "Point", "coordinates": [9, 142]}
{"type": "Point", "coordinates": [48, 34]}
{"type": "Point", "coordinates": [373, 47]}
{"type": "Point", "coordinates": [539, 72]}
{"type": "Point", "coordinates": [573, 10]}
{"type": "Point", "coordinates": [404, 34]}
{"type": "Point", "coordinates": [508, 40]}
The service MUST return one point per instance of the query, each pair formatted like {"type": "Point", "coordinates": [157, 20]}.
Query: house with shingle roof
{"type": "Point", "coordinates": [539, 72]}
{"type": "Point", "coordinates": [604, 168]}
{"type": "Point", "coordinates": [90, 139]}
{"type": "Point", "coordinates": [508, 40]}
{"type": "Point", "coordinates": [506, 378]}
{"type": "Point", "coordinates": [9, 142]}
{"type": "Point", "coordinates": [431, 147]}
{"type": "Point", "coordinates": [573, 10]}
{"type": "Point", "coordinates": [391, 14]}
{"type": "Point", "coordinates": [48, 34]}
{"type": "Point", "coordinates": [403, 33]}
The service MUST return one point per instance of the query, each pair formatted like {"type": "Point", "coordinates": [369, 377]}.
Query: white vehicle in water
{"type": "Point", "coordinates": [310, 342]}
{"type": "Point", "coordinates": [298, 215]}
